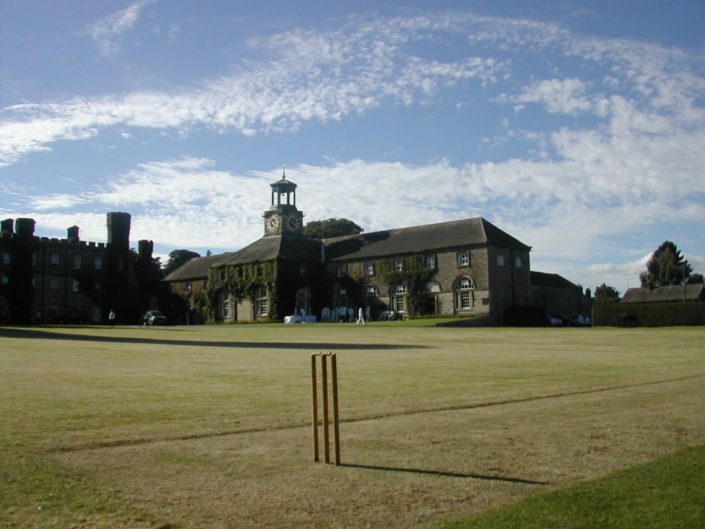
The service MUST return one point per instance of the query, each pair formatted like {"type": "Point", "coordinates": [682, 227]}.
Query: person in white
{"type": "Point", "coordinates": [360, 317]}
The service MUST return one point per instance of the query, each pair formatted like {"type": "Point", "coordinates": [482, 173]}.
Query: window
{"type": "Point", "coordinates": [54, 285]}
{"type": "Point", "coordinates": [4, 279]}
{"type": "Point", "coordinates": [302, 270]}
{"type": "Point", "coordinates": [398, 265]}
{"type": "Point", "coordinates": [34, 258]}
{"type": "Point", "coordinates": [225, 305]}
{"type": "Point", "coordinates": [77, 260]}
{"type": "Point", "coordinates": [54, 259]}
{"type": "Point", "coordinates": [342, 270]}
{"type": "Point", "coordinates": [371, 291]}
{"type": "Point", "coordinates": [6, 258]}
{"type": "Point", "coordinates": [517, 262]}
{"type": "Point", "coordinates": [399, 298]}
{"type": "Point", "coordinates": [98, 262]}
{"type": "Point", "coordinates": [75, 286]}
{"type": "Point", "coordinates": [303, 301]}
{"type": "Point", "coordinates": [430, 262]}
{"type": "Point", "coordinates": [261, 302]}
{"type": "Point", "coordinates": [464, 293]}
{"type": "Point", "coordinates": [433, 287]}
{"type": "Point", "coordinates": [464, 258]}
{"type": "Point", "coordinates": [370, 268]}
{"type": "Point", "coordinates": [500, 260]}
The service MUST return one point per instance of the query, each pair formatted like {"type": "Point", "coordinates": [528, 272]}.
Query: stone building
{"type": "Point", "coordinates": [48, 280]}
{"type": "Point", "coordinates": [466, 267]}
{"type": "Point", "coordinates": [559, 297]}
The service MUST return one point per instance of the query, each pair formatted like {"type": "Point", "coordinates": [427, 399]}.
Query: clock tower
{"type": "Point", "coordinates": [282, 216]}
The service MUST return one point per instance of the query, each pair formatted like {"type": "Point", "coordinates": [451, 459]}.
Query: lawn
{"type": "Point", "coordinates": [185, 427]}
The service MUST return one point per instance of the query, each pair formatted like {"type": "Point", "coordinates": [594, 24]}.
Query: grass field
{"type": "Point", "coordinates": [209, 426]}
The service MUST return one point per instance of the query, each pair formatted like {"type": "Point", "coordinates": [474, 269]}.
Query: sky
{"type": "Point", "coordinates": [578, 127]}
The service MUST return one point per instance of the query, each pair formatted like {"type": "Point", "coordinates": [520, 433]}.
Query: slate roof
{"type": "Point", "coordinates": [542, 279]}
{"type": "Point", "coordinates": [429, 237]}
{"type": "Point", "coordinates": [287, 247]}
{"type": "Point", "coordinates": [695, 292]}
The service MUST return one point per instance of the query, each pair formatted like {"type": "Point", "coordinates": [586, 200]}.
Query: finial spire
{"type": "Point", "coordinates": [284, 171]}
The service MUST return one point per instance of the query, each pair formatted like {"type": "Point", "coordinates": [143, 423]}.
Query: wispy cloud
{"type": "Point", "coordinates": [626, 144]}
{"type": "Point", "coordinates": [107, 30]}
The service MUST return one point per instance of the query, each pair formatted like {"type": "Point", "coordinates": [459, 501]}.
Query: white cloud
{"type": "Point", "coordinates": [106, 30]}
{"type": "Point", "coordinates": [558, 95]}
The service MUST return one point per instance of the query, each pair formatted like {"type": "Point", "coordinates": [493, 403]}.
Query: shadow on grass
{"type": "Point", "coordinates": [442, 473]}
{"type": "Point", "coordinates": [55, 335]}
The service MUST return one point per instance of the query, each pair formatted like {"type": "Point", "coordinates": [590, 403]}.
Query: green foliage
{"type": "Point", "coordinates": [414, 274]}
{"type": "Point", "coordinates": [177, 258]}
{"type": "Point", "coordinates": [665, 267]}
{"type": "Point", "coordinates": [323, 229]}
{"type": "Point", "coordinates": [241, 282]}
{"type": "Point", "coordinates": [649, 314]}
{"type": "Point", "coordinates": [694, 279]}
{"type": "Point", "coordinates": [605, 294]}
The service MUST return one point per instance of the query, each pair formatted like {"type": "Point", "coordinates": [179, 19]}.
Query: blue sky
{"type": "Point", "coordinates": [576, 126]}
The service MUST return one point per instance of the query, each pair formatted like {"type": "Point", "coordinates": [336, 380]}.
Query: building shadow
{"type": "Point", "coordinates": [447, 474]}
{"type": "Point", "coordinates": [29, 333]}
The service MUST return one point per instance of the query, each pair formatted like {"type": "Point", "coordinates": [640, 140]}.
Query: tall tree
{"type": "Point", "coordinates": [605, 294]}
{"type": "Point", "coordinates": [323, 229]}
{"type": "Point", "coordinates": [177, 258]}
{"type": "Point", "coordinates": [665, 267]}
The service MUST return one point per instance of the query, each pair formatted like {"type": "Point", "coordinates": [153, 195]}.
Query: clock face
{"type": "Point", "coordinates": [273, 223]}
{"type": "Point", "coordinates": [292, 223]}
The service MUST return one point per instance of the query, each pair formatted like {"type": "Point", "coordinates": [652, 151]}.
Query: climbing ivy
{"type": "Point", "coordinates": [241, 282]}
{"type": "Point", "coordinates": [414, 274]}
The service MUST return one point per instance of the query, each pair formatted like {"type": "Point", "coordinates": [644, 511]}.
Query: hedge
{"type": "Point", "coordinates": [648, 314]}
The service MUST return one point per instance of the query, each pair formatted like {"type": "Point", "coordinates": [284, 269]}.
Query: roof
{"type": "Point", "coordinates": [664, 294]}
{"type": "Point", "coordinates": [429, 237]}
{"type": "Point", "coordinates": [289, 246]}
{"type": "Point", "coordinates": [196, 268]}
{"type": "Point", "coordinates": [542, 279]}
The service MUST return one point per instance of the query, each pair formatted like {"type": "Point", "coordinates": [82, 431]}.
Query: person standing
{"type": "Point", "coordinates": [111, 318]}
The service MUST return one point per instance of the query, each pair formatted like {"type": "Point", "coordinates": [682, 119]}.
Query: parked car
{"type": "Point", "coordinates": [153, 317]}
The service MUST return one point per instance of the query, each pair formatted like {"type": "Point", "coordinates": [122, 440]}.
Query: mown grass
{"type": "Point", "coordinates": [668, 493]}
{"type": "Point", "coordinates": [193, 427]}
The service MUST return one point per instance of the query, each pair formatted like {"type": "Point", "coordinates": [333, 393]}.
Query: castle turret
{"type": "Point", "coordinates": [119, 230]}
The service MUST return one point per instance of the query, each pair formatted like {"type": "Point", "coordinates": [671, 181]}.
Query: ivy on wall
{"type": "Point", "coordinates": [414, 274]}
{"type": "Point", "coordinates": [241, 281]}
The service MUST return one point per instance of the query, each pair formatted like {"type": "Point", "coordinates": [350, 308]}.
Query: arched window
{"type": "Point", "coordinates": [433, 287]}
{"type": "Point", "coordinates": [464, 298]}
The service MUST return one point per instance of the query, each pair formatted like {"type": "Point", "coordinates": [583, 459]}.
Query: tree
{"type": "Point", "coordinates": [605, 294]}
{"type": "Point", "coordinates": [665, 267]}
{"type": "Point", "coordinates": [694, 279]}
{"type": "Point", "coordinates": [324, 229]}
{"type": "Point", "coordinates": [177, 258]}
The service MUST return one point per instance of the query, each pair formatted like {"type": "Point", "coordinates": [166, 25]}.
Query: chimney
{"type": "Point", "coordinates": [6, 226]}
{"type": "Point", "coordinates": [72, 234]}
{"type": "Point", "coordinates": [25, 228]}
{"type": "Point", "coordinates": [145, 248]}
